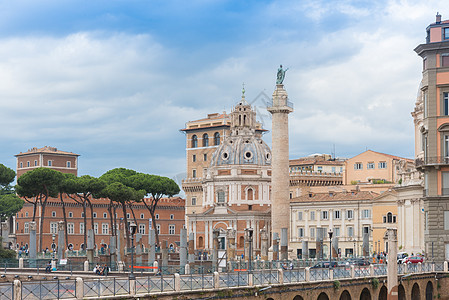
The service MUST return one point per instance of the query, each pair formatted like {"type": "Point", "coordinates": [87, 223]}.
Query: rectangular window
{"type": "Point", "coordinates": [105, 228]}
{"type": "Point", "coordinates": [446, 33]}
{"type": "Point", "coordinates": [445, 103]}
{"type": "Point", "coordinates": [358, 166]}
{"type": "Point", "coordinates": [445, 187]}
{"type": "Point", "coordinates": [26, 228]}
{"type": "Point", "coordinates": [142, 228]}
{"type": "Point", "coordinates": [142, 216]}
{"type": "Point", "coordinates": [425, 105]}
{"type": "Point", "coordinates": [70, 214]}
{"type": "Point", "coordinates": [194, 158]}
{"type": "Point", "coordinates": [349, 214]}
{"type": "Point", "coordinates": [324, 215]}
{"type": "Point", "coordinates": [205, 156]}
{"type": "Point", "coordinates": [445, 60]}
{"type": "Point", "coordinates": [333, 169]}
{"type": "Point", "coordinates": [193, 173]}
{"type": "Point", "coordinates": [96, 228]}
{"type": "Point", "coordinates": [424, 63]}
{"type": "Point", "coordinates": [312, 232]}
{"type": "Point", "coordinates": [171, 229]}
{"type": "Point", "coordinates": [35, 163]}
{"type": "Point", "coordinates": [366, 213]}
{"type": "Point", "coordinates": [382, 165]}
{"type": "Point", "coordinates": [95, 215]}
{"type": "Point", "coordinates": [350, 231]}
{"type": "Point", "coordinates": [300, 232]}
{"type": "Point", "coordinates": [446, 220]}
{"type": "Point", "coordinates": [150, 224]}
{"type": "Point", "coordinates": [70, 228]}
{"type": "Point", "coordinates": [320, 169]}
{"type": "Point", "coordinates": [105, 215]}
{"type": "Point", "coordinates": [336, 231]}
{"type": "Point", "coordinates": [81, 228]}
{"type": "Point", "coordinates": [158, 228]}
{"type": "Point", "coordinates": [28, 164]}
{"type": "Point", "coordinates": [299, 215]}
{"type": "Point", "coordinates": [370, 165]}
{"type": "Point", "coordinates": [68, 164]}
{"type": "Point", "coordinates": [336, 214]}
{"type": "Point", "coordinates": [221, 197]}
{"type": "Point", "coordinates": [53, 227]}
{"type": "Point", "coordinates": [49, 163]}
{"type": "Point", "coordinates": [365, 229]}
{"type": "Point", "coordinates": [194, 201]}
{"type": "Point", "coordinates": [312, 215]}
{"type": "Point", "coordinates": [426, 220]}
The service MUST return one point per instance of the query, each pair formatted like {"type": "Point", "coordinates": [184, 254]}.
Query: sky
{"type": "Point", "coordinates": [115, 81]}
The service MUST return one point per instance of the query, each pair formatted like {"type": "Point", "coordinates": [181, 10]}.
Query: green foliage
{"type": "Point", "coordinates": [375, 283]}
{"type": "Point", "coordinates": [121, 193]}
{"type": "Point", "coordinates": [39, 182]}
{"type": "Point", "coordinates": [10, 204]}
{"type": "Point", "coordinates": [7, 176]}
{"type": "Point", "coordinates": [354, 182]}
{"type": "Point", "coordinates": [379, 181]}
{"type": "Point", "coordinates": [336, 284]}
{"type": "Point", "coordinates": [400, 181]}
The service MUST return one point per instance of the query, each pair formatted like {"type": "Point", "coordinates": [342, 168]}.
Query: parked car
{"type": "Point", "coordinates": [358, 262]}
{"type": "Point", "coordinates": [413, 259]}
{"type": "Point", "coordinates": [324, 264]}
{"type": "Point", "coordinates": [401, 257]}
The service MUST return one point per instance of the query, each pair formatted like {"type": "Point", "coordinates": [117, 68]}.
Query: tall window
{"type": "Point", "coordinates": [53, 214]}
{"type": "Point", "coordinates": [142, 216]}
{"type": "Point", "coordinates": [312, 215]}
{"type": "Point", "coordinates": [194, 158]}
{"type": "Point", "coordinates": [299, 215]}
{"type": "Point", "coordinates": [194, 141]}
{"type": "Point", "coordinates": [445, 60]}
{"type": "Point", "coordinates": [382, 165]}
{"type": "Point", "coordinates": [216, 139]}
{"type": "Point", "coordinates": [81, 228]}
{"type": "Point", "coordinates": [105, 228]}
{"type": "Point", "coordinates": [446, 220]}
{"type": "Point", "coordinates": [349, 214]}
{"type": "Point", "coordinates": [53, 227]}
{"type": "Point", "coordinates": [446, 103]}
{"type": "Point", "coordinates": [193, 201]}
{"type": "Point", "coordinates": [312, 232]}
{"type": "Point", "coordinates": [158, 228]}
{"type": "Point", "coordinates": [49, 163]}
{"type": "Point", "coordinates": [96, 228]}
{"type": "Point", "coordinates": [300, 232]}
{"type": "Point", "coordinates": [142, 228]}
{"type": "Point", "coordinates": [336, 214]}
{"type": "Point", "coordinates": [193, 173]}
{"type": "Point", "coordinates": [172, 217]}
{"type": "Point", "coordinates": [205, 140]}
{"type": "Point", "coordinates": [70, 228]}
{"type": "Point", "coordinates": [205, 156]}
{"type": "Point", "coordinates": [171, 229]}
{"type": "Point", "coordinates": [68, 164]}
{"type": "Point", "coordinates": [105, 215]}
{"type": "Point", "coordinates": [221, 197]}
{"type": "Point", "coordinates": [324, 215]}
{"type": "Point", "coordinates": [389, 217]}
{"type": "Point", "coordinates": [35, 163]}
{"type": "Point", "coordinates": [358, 166]}
{"type": "Point", "coordinates": [350, 231]}
{"type": "Point", "coordinates": [446, 33]}
{"type": "Point", "coordinates": [26, 228]}
{"type": "Point", "coordinates": [28, 164]}
{"type": "Point", "coordinates": [337, 231]}
{"type": "Point", "coordinates": [445, 187]}
{"type": "Point", "coordinates": [366, 213]}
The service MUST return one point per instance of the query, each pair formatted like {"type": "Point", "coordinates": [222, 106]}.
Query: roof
{"type": "Point", "coordinates": [336, 196]}
{"type": "Point", "coordinates": [311, 161]}
{"type": "Point", "coordinates": [389, 155]}
{"type": "Point", "coordinates": [46, 149]}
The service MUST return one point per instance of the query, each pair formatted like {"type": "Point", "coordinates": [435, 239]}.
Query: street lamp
{"type": "Point", "coordinates": [53, 246]}
{"type": "Point", "coordinates": [132, 231]}
{"type": "Point", "coordinates": [330, 247]}
{"type": "Point", "coordinates": [249, 234]}
{"type": "Point", "coordinates": [354, 249]}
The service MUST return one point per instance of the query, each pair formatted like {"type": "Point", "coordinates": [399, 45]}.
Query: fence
{"type": "Point", "coordinates": [104, 287]}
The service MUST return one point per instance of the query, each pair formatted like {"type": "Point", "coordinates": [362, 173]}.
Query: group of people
{"type": "Point", "coordinates": [101, 270]}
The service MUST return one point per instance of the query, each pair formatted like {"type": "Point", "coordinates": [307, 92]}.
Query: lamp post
{"type": "Point", "coordinates": [354, 250]}
{"type": "Point", "coordinates": [53, 247]}
{"type": "Point", "coordinates": [330, 247]}
{"type": "Point", "coordinates": [132, 231]}
{"type": "Point", "coordinates": [249, 232]}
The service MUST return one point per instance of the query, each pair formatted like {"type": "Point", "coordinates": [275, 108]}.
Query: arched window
{"type": "Point", "coordinates": [242, 242]}
{"type": "Point", "coordinates": [205, 140]}
{"type": "Point", "coordinates": [250, 194]}
{"type": "Point", "coordinates": [194, 141]}
{"type": "Point", "coordinates": [200, 242]}
{"type": "Point", "coordinates": [389, 217]}
{"type": "Point", "coordinates": [216, 139]}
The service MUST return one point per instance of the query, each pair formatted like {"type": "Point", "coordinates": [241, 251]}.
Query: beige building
{"type": "Point", "coordinates": [321, 163]}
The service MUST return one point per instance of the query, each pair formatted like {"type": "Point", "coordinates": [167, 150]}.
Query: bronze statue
{"type": "Point", "coordinates": [280, 75]}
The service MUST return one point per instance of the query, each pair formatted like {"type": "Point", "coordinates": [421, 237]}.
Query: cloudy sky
{"type": "Point", "coordinates": [114, 81]}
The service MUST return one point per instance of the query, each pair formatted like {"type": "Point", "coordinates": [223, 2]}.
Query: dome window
{"type": "Point", "coordinates": [248, 155]}
{"type": "Point", "coordinates": [225, 155]}
{"type": "Point", "coordinates": [268, 156]}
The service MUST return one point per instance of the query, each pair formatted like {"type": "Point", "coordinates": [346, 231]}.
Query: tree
{"type": "Point", "coordinates": [157, 187]}
{"type": "Point", "coordinates": [39, 184]}
{"type": "Point", "coordinates": [10, 204]}
{"type": "Point", "coordinates": [63, 189]}
{"type": "Point", "coordinates": [7, 176]}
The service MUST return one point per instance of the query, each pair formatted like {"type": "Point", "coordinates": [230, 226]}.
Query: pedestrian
{"type": "Point", "coordinates": [48, 268]}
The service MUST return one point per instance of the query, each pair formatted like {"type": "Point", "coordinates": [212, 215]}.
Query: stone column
{"type": "Point", "coordinates": [305, 249]}
{"type": "Point", "coordinates": [215, 234]}
{"type": "Point", "coordinates": [319, 243]}
{"type": "Point", "coordinates": [120, 246]}
{"type": "Point", "coordinates": [61, 240]}
{"type": "Point", "coordinates": [138, 249]}
{"type": "Point", "coordinates": [113, 248]}
{"type": "Point", "coordinates": [335, 247]}
{"type": "Point", "coordinates": [33, 245]}
{"type": "Point", "coordinates": [392, 266]}
{"type": "Point", "coordinates": [183, 247]}
{"type": "Point", "coordinates": [230, 248]}
{"type": "Point", "coordinates": [280, 196]}
{"type": "Point", "coordinates": [90, 245]}
{"type": "Point", "coordinates": [365, 244]}
{"type": "Point", "coordinates": [264, 244]}
{"type": "Point", "coordinates": [5, 234]}
{"type": "Point", "coordinates": [191, 248]}
{"type": "Point", "coordinates": [275, 246]}
{"type": "Point", "coordinates": [284, 243]}
{"type": "Point", "coordinates": [164, 252]}
{"type": "Point", "coordinates": [151, 246]}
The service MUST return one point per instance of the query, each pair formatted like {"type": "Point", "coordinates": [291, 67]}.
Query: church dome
{"type": "Point", "coordinates": [244, 145]}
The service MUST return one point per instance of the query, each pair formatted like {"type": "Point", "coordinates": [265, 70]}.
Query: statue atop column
{"type": "Point", "coordinates": [280, 75]}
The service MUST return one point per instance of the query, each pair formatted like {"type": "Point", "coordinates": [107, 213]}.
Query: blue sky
{"type": "Point", "coordinates": [114, 81]}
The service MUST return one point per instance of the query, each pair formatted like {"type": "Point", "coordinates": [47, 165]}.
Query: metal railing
{"type": "Point", "coordinates": [432, 161]}
{"type": "Point", "coordinates": [48, 289]}
{"type": "Point", "coordinates": [106, 287]}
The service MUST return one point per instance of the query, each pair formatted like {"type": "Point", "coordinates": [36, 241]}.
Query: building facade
{"type": "Point", "coordinates": [47, 157]}
{"type": "Point", "coordinates": [431, 116]}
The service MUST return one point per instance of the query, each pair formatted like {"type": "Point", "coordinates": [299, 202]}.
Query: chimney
{"type": "Point", "coordinates": [438, 20]}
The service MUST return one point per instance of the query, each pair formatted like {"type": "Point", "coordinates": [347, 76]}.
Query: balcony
{"type": "Point", "coordinates": [435, 161]}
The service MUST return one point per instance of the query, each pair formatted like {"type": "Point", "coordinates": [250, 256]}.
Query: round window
{"type": "Point", "coordinates": [268, 156]}
{"type": "Point", "coordinates": [225, 155]}
{"type": "Point", "coordinates": [248, 155]}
